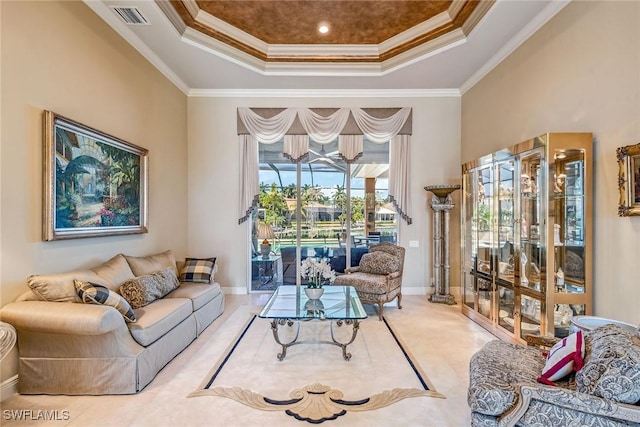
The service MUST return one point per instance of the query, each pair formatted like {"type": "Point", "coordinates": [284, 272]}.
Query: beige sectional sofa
{"type": "Point", "coordinates": [70, 347]}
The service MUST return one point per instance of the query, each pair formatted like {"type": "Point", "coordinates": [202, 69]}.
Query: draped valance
{"type": "Point", "coordinates": [295, 126]}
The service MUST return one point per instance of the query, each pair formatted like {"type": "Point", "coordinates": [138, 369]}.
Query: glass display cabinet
{"type": "Point", "coordinates": [527, 236]}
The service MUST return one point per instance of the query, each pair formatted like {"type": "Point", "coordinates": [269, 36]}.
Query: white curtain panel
{"type": "Point", "coordinates": [267, 131]}
{"type": "Point", "coordinates": [398, 176]}
{"type": "Point", "coordinates": [380, 130]}
{"type": "Point", "coordinates": [323, 130]}
{"type": "Point", "coordinates": [249, 188]}
{"type": "Point", "coordinates": [296, 147]}
{"type": "Point", "coordinates": [350, 147]}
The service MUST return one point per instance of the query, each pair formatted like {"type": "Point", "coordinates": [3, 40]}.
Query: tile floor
{"type": "Point", "coordinates": [439, 336]}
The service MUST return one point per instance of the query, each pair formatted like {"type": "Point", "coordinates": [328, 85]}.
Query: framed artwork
{"type": "Point", "coordinates": [629, 180]}
{"type": "Point", "coordinates": [94, 184]}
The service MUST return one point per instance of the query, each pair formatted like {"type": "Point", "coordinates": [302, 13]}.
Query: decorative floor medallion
{"type": "Point", "coordinates": [315, 403]}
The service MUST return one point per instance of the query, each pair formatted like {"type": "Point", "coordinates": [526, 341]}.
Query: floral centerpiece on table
{"type": "Point", "coordinates": [316, 273]}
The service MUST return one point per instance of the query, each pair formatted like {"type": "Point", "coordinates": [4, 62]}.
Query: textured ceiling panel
{"type": "Point", "coordinates": [350, 22]}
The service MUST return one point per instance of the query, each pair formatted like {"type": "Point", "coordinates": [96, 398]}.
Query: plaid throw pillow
{"type": "Point", "coordinates": [197, 270]}
{"type": "Point", "coordinates": [97, 294]}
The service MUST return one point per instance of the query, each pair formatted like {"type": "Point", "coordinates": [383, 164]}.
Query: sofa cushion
{"type": "Point", "coordinates": [379, 263]}
{"type": "Point", "coordinates": [116, 271]}
{"type": "Point", "coordinates": [61, 287]}
{"type": "Point", "coordinates": [565, 357]}
{"type": "Point", "coordinates": [612, 368]}
{"type": "Point", "coordinates": [197, 270]}
{"type": "Point", "coordinates": [152, 263]}
{"type": "Point", "coordinates": [199, 293]}
{"type": "Point", "coordinates": [97, 294]}
{"type": "Point", "coordinates": [143, 290]}
{"type": "Point", "coordinates": [495, 373]}
{"type": "Point", "coordinates": [155, 320]}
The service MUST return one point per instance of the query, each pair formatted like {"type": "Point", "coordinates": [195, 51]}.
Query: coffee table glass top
{"type": "Point", "coordinates": [337, 302]}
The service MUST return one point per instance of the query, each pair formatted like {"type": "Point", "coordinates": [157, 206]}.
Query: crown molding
{"type": "Point", "coordinates": [324, 93]}
{"type": "Point", "coordinates": [426, 50]}
{"type": "Point", "coordinates": [414, 32]}
{"type": "Point", "coordinates": [478, 13]}
{"type": "Point", "coordinates": [121, 28]}
{"type": "Point", "coordinates": [329, 50]}
{"type": "Point", "coordinates": [527, 31]}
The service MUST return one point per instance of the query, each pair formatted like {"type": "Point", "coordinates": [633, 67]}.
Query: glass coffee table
{"type": "Point", "coordinates": [289, 305]}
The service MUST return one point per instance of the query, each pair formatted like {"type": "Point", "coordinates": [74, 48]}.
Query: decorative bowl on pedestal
{"type": "Point", "coordinates": [313, 293]}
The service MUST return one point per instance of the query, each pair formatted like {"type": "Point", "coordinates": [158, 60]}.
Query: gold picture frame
{"type": "Point", "coordinates": [629, 180]}
{"type": "Point", "coordinates": [94, 184]}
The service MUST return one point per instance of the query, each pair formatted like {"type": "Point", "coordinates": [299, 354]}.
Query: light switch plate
{"type": "Point", "coordinates": [414, 243]}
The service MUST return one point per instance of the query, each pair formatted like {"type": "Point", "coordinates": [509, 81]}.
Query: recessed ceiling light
{"type": "Point", "coordinates": [323, 29]}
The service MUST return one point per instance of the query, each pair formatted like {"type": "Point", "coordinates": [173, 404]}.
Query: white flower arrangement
{"type": "Point", "coordinates": [316, 272]}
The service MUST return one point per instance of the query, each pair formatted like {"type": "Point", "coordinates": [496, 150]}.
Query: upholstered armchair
{"type": "Point", "coordinates": [378, 277]}
{"type": "Point", "coordinates": [605, 391]}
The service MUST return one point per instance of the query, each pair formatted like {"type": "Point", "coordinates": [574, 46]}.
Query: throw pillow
{"type": "Point", "coordinates": [379, 263]}
{"type": "Point", "coordinates": [612, 368]}
{"type": "Point", "coordinates": [152, 263]}
{"type": "Point", "coordinates": [198, 270]}
{"type": "Point", "coordinates": [93, 293]}
{"type": "Point", "coordinates": [115, 271]}
{"type": "Point", "coordinates": [145, 289]}
{"type": "Point", "coordinates": [564, 358]}
{"type": "Point", "coordinates": [60, 287]}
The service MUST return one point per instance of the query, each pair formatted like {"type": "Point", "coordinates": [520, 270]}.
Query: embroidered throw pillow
{"type": "Point", "coordinates": [565, 357]}
{"type": "Point", "coordinates": [93, 293]}
{"type": "Point", "coordinates": [612, 369]}
{"type": "Point", "coordinates": [198, 270]}
{"type": "Point", "coordinates": [144, 290]}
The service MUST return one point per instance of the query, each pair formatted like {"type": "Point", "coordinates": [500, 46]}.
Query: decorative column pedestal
{"type": "Point", "coordinates": [442, 204]}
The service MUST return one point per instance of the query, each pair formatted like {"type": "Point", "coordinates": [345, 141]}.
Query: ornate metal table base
{"type": "Point", "coordinates": [275, 323]}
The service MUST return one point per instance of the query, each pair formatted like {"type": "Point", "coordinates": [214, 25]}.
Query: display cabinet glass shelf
{"type": "Point", "coordinates": [527, 236]}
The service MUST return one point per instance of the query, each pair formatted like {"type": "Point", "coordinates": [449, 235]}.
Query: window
{"type": "Point", "coordinates": [325, 187]}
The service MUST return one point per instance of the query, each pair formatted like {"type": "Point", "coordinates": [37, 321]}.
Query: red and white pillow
{"type": "Point", "coordinates": [565, 357]}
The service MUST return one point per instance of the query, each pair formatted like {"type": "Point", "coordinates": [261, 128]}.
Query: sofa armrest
{"type": "Point", "coordinates": [351, 270]}
{"type": "Point", "coordinates": [61, 317]}
{"type": "Point", "coordinates": [570, 400]}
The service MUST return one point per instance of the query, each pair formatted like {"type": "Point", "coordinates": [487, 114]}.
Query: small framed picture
{"type": "Point", "coordinates": [629, 180]}
{"type": "Point", "coordinates": [94, 184]}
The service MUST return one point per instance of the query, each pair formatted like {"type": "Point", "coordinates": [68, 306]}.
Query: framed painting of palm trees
{"type": "Point", "coordinates": [94, 184]}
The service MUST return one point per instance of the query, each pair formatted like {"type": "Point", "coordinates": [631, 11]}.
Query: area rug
{"type": "Point", "coordinates": [314, 383]}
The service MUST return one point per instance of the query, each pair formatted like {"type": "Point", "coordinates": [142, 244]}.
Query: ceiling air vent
{"type": "Point", "coordinates": [130, 15]}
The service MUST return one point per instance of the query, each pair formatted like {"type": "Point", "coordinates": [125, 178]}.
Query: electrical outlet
{"type": "Point", "coordinates": [414, 243]}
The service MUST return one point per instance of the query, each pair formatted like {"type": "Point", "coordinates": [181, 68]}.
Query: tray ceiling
{"type": "Point", "coordinates": [372, 48]}
{"type": "Point", "coordinates": [358, 31]}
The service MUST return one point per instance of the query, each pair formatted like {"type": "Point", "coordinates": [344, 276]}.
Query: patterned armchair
{"type": "Point", "coordinates": [378, 277]}
{"type": "Point", "coordinates": [503, 390]}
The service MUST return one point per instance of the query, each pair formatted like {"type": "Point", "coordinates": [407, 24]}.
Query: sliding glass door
{"type": "Point", "coordinates": [321, 207]}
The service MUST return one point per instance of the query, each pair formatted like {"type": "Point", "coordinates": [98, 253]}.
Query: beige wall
{"type": "Point", "coordinates": [61, 56]}
{"type": "Point", "coordinates": [214, 179]}
{"type": "Point", "coordinates": [580, 72]}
